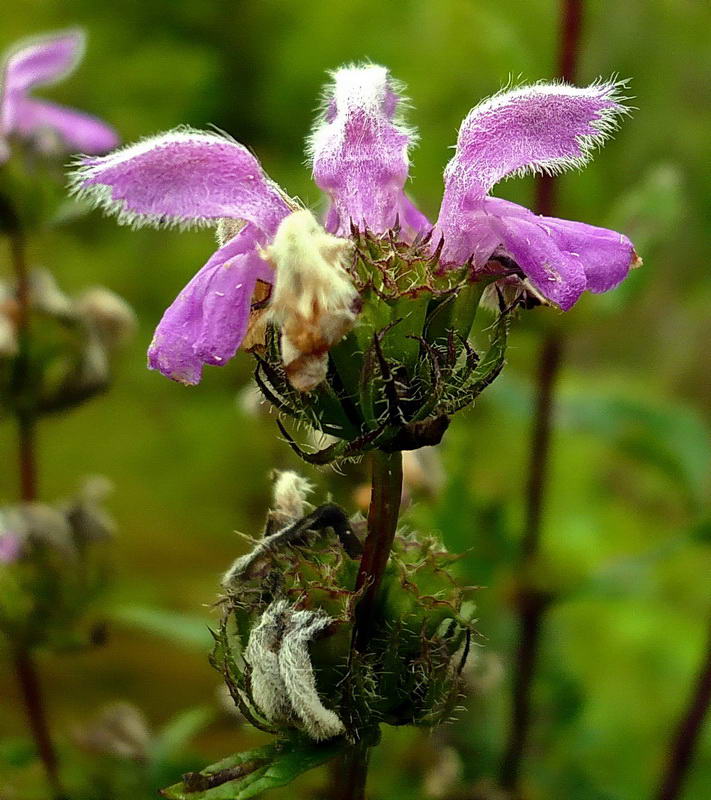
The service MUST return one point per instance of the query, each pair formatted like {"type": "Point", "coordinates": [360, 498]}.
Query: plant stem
{"type": "Point", "coordinates": [351, 780]}
{"type": "Point", "coordinates": [28, 681]}
{"type": "Point", "coordinates": [25, 668]}
{"type": "Point", "coordinates": [386, 494]}
{"type": "Point", "coordinates": [531, 602]}
{"type": "Point", "coordinates": [571, 21]}
{"type": "Point", "coordinates": [687, 733]}
{"type": "Point", "coordinates": [27, 460]}
{"type": "Point", "coordinates": [385, 497]}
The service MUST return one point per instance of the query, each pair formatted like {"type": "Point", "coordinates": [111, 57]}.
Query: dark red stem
{"type": "Point", "coordinates": [386, 494]}
{"type": "Point", "coordinates": [570, 29]}
{"type": "Point", "coordinates": [27, 461]}
{"type": "Point", "coordinates": [351, 779]}
{"type": "Point", "coordinates": [531, 603]}
{"type": "Point", "coordinates": [383, 514]}
{"type": "Point", "coordinates": [686, 736]}
{"type": "Point", "coordinates": [27, 678]}
{"type": "Point", "coordinates": [28, 682]}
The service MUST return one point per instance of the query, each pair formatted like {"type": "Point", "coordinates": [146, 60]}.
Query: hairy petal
{"type": "Point", "coordinates": [183, 177]}
{"type": "Point", "coordinates": [79, 132]}
{"type": "Point", "coordinates": [412, 220]}
{"type": "Point", "coordinates": [539, 128]}
{"type": "Point", "coordinates": [558, 275]}
{"type": "Point", "coordinates": [606, 255]}
{"type": "Point", "coordinates": [359, 152]}
{"type": "Point", "coordinates": [36, 62]}
{"type": "Point", "coordinates": [208, 320]}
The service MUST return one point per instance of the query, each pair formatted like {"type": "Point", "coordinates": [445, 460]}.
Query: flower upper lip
{"type": "Point", "coordinates": [359, 152]}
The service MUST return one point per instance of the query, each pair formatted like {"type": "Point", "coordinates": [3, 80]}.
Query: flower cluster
{"type": "Point", "coordinates": [359, 152]}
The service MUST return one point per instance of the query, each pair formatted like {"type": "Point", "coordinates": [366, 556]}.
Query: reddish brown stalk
{"type": "Point", "coordinates": [686, 736]}
{"type": "Point", "coordinates": [353, 773]}
{"type": "Point", "coordinates": [27, 461]}
{"type": "Point", "coordinates": [25, 669]}
{"type": "Point", "coordinates": [386, 493]}
{"type": "Point", "coordinates": [28, 682]}
{"type": "Point", "coordinates": [570, 29]}
{"type": "Point", "coordinates": [532, 604]}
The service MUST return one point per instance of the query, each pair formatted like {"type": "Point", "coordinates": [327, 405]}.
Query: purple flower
{"type": "Point", "coordinates": [10, 546]}
{"type": "Point", "coordinates": [359, 151]}
{"type": "Point", "coordinates": [540, 128]}
{"type": "Point", "coordinates": [41, 62]}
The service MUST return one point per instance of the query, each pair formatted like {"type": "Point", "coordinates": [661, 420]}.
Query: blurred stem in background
{"type": "Point", "coordinates": [27, 462]}
{"type": "Point", "coordinates": [532, 603]}
{"type": "Point", "coordinates": [25, 667]}
{"type": "Point", "coordinates": [687, 733]}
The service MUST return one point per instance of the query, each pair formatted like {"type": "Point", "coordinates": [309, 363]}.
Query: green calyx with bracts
{"type": "Point", "coordinates": [395, 380]}
{"type": "Point", "coordinates": [284, 645]}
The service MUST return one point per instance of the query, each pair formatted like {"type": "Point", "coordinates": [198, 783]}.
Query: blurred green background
{"type": "Point", "coordinates": [627, 530]}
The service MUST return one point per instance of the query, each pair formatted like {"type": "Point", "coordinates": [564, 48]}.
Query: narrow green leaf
{"type": "Point", "coordinates": [264, 768]}
{"type": "Point", "coordinates": [183, 629]}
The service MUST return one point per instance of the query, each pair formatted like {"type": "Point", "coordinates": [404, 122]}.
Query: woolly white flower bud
{"type": "Point", "coordinates": [262, 655]}
{"type": "Point", "coordinates": [282, 680]}
{"type": "Point", "coordinates": [298, 675]}
{"type": "Point", "coordinates": [290, 493]}
{"type": "Point", "coordinates": [314, 301]}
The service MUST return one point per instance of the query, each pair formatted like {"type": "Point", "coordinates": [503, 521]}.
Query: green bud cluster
{"type": "Point", "coordinates": [395, 379]}
{"type": "Point", "coordinates": [49, 588]}
{"type": "Point", "coordinates": [408, 675]}
{"type": "Point", "coordinates": [66, 357]}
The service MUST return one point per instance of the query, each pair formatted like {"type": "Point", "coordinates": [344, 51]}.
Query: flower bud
{"type": "Point", "coordinates": [112, 317]}
{"type": "Point", "coordinates": [282, 677]}
{"type": "Point", "coordinates": [89, 520]}
{"type": "Point", "coordinates": [70, 345]}
{"type": "Point", "coordinates": [376, 335]}
{"type": "Point", "coordinates": [121, 730]}
{"type": "Point", "coordinates": [314, 301]}
{"type": "Point", "coordinates": [8, 328]}
{"type": "Point", "coordinates": [290, 493]}
{"type": "Point", "coordinates": [52, 571]}
{"type": "Point", "coordinates": [444, 775]}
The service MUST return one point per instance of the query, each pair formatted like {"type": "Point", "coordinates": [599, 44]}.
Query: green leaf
{"type": "Point", "coordinates": [17, 752]}
{"type": "Point", "coordinates": [179, 730]}
{"type": "Point", "coordinates": [184, 629]}
{"type": "Point", "coordinates": [248, 774]}
{"type": "Point", "coordinates": [669, 436]}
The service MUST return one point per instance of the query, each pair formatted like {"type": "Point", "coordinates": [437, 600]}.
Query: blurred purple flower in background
{"type": "Point", "coordinates": [10, 546]}
{"type": "Point", "coordinates": [47, 126]}
{"type": "Point", "coordinates": [359, 152]}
